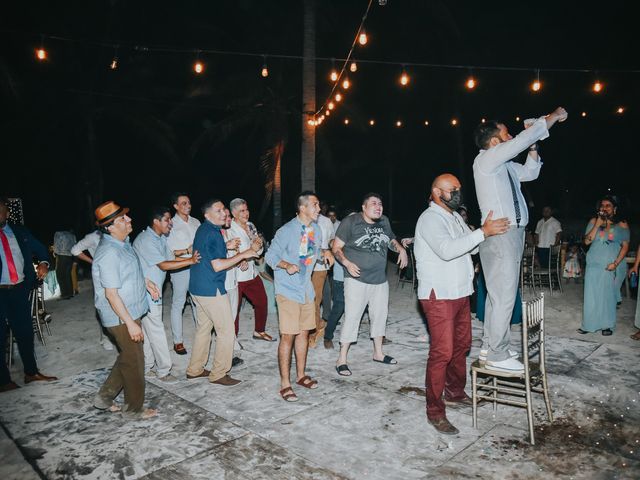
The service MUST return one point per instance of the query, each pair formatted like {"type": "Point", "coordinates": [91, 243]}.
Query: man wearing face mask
{"type": "Point", "coordinates": [497, 179]}
{"type": "Point", "coordinates": [443, 245]}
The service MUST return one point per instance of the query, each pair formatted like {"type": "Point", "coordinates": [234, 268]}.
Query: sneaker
{"type": "Point", "coordinates": [483, 355]}
{"type": "Point", "coordinates": [106, 344]}
{"type": "Point", "coordinates": [510, 365]}
{"type": "Point", "coordinates": [168, 378]}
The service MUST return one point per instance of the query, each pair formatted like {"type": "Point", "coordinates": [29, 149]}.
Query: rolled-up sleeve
{"type": "Point", "coordinates": [276, 249]}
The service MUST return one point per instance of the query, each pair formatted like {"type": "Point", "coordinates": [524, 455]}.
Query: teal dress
{"type": "Point", "coordinates": [599, 308]}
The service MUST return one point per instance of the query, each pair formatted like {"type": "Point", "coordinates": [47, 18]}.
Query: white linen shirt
{"type": "Point", "coordinates": [182, 234]}
{"type": "Point", "coordinates": [245, 242]}
{"type": "Point", "coordinates": [443, 245]}
{"type": "Point", "coordinates": [231, 280]}
{"type": "Point", "coordinates": [491, 170]}
{"type": "Point", "coordinates": [89, 242]}
{"type": "Point", "coordinates": [328, 233]}
{"type": "Point", "coordinates": [547, 232]}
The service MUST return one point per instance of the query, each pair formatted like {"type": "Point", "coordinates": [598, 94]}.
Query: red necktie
{"type": "Point", "coordinates": [13, 274]}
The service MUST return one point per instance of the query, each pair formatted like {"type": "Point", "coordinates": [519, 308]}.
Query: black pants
{"type": "Point", "coordinates": [64, 263]}
{"type": "Point", "coordinates": [16, 310]}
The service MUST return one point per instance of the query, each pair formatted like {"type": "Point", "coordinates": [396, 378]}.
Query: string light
{"type": "Point", "coordinates": [583, 114]}
{"type": "Point", "coordinates": [372, 122]}
{"type": "Point", "coordinates": [265, 71]}
{"type": "Point", "coordinates": [327, 113]}
{"type": "Point", "coordinates": [346, 121]}
{"type": "Point", "coordinates": [353, 67]}
{"type": "Point", "coordinates": [597, 86]}
{"type": "Point", "coordinates": [333, 75]}
{"type": "Point", "coordinates": [346, 84]}
{"type": "Point", "coordinates": [198, 66]}
{"type": "Point", "coordinates": [41, 54]}
{"type": "Point", "coordinates": [536, 85]}
{"type": "Point", "coordinates": [517, 119]}
{"type": "Point", "coordinates": [620, 110]}
{"type": "Point", "coordinates": [338, 97]}
{"type": "Point", "coordinates": [470, 83]}
{"type": "Point", "coordinates": [114, 63]}
{"type": "Point", "coordinates": [331, 106]}
{"type": "Point", "coordinates": [404, 78]}
{"type": "Point", "coordinates": [454, 122]}
{"type": "Point", "coordinates": [362, 38]}
{"type": "Point", "coordinates": [483, 120]}
{"type": "Point", "coordinates": [398, 124]}
{"type": "Point", "coordinates": [426, 123]}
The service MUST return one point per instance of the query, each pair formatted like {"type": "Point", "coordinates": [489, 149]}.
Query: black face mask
{"type": "Point", "coordinates": [455, 201]}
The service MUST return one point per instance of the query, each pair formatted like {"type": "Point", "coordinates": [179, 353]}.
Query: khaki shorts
{"type": "Point", "coordinates": [295, 317]}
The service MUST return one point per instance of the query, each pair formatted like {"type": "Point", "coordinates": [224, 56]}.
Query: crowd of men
{"type": "Point", "coordinates": [213, 264]}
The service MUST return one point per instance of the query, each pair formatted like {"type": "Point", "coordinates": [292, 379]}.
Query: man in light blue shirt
{"type": "Point", "coordinates": [157, 258]}
{"type": "Point", "coordinates": [292, 256]}
{"type": "Point", "coordinates": [121, 301]}
{"type": "Point", "coordinates": [497, 180]}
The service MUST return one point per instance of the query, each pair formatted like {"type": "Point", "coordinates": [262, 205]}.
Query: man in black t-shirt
{"type": "Point", "coordinates": [361, 245]}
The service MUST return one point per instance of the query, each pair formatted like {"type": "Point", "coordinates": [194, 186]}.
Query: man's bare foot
{"type": "Point", "coordinates": [115, 408]}
{"type": "Point", "coordinates": [148, 413]}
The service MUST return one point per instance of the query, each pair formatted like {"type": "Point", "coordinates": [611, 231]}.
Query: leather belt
{"type": "Point", "coordinates": [9, 287]}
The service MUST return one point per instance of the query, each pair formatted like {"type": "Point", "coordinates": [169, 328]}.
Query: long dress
{"type": "Point", "coordinates": [599, 309]}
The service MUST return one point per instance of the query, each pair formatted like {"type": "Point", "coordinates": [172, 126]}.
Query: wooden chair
{"type": "Point", "coordinates": [515, 388]}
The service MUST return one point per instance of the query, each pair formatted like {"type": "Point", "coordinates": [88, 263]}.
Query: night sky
{"type": "Point", "coordinates": [75, 132]}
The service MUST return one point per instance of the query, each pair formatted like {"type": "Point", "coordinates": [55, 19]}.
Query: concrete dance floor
{"type": "Point", "coordinates": [370, 425]}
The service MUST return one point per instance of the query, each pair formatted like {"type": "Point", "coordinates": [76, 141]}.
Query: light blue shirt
{"type": "Point", "coordinates": [116, 265]}
{"type": "Point", "coordinates": [16, 253]}
{"type": "Point", "coordinates": [286, 246]}
{"type": "Point", "coordinates": [153, 249]}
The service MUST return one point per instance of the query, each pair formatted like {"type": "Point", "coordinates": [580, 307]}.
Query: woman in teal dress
{"type": "Point", "coordinates": [609, 242]}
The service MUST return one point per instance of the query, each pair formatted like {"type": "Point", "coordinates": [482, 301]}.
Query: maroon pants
{"type": "Point", "coordinates": [450, 334]}
{"type": "Point", "coordinates": [254, 291]}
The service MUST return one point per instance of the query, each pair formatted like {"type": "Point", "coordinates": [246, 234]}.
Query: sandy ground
{"type": "Point", "coordinates": [370, 425]}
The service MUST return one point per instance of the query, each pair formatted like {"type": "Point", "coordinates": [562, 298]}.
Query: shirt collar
{"type": "Point", "coordinates": [115, 241]}
{"type": "Point", "coordinates": [217, 227]}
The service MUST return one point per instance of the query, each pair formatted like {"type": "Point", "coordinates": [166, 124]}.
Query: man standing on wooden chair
{"type": "Point", "coordinates": [443, 247]}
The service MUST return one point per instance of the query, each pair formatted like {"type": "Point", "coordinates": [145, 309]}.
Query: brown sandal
{"type": "Point", "coordinates": [263, 336]}
{"type": "Point", "coordinates": [288, 395]}
{"type": "Point", "coordinates": [307, 382]}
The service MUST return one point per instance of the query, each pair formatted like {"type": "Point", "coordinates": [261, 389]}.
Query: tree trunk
{"type": "Point", "coordinates": [308, 154]}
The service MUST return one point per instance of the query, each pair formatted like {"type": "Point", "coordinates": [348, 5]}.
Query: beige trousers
{"type": "Point", "coordinates": [212, 312]}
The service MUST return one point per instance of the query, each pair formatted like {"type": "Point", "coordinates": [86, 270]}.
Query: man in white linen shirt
{"type": "Point", "coordinates": [547, 234]}
{"type": "Point", "coordinates": [497, 181]}
{"type": "Point", "coordinates": [180, 240]}
{"type": "Point", "coordinates": [443, 245]}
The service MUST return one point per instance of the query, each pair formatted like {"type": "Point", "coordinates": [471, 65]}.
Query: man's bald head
{"type": "Point", "coordinates": [442, 187]}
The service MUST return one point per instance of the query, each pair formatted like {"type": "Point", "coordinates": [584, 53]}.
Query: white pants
{"type": "Point", "coordinates": [156, 349]}
{"type": "Point", "coordinates": [357, 296]}
{"type": "Point", "coordinates": [180, 284]}
{"type": "Point", "coordinates": [232, 293]}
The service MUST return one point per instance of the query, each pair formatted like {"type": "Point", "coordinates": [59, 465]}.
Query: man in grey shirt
{"type": "Point", "coordinates": [497, 180]}
{"type": "Point", "coordinates": [361, 245]}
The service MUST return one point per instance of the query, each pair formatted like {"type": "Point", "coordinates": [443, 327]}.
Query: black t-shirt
{"type": "Point", "coordinates": [366, 245]}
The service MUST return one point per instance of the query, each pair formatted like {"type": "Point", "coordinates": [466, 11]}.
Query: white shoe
{"type": "Point", "coordinates": [106, 344]}
{"type": "Point", "coordinates": [510, 365]}
{"type": "Point", "coordinates": [483, 354]}
{"type": "Point", "coordinates": [168, 378]}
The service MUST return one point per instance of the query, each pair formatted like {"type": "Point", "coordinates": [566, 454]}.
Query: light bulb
{"type": "Point", "coordinates": [353, 67]}
{"type": "Point", "coordinates": [198, 67]}
{"type": "Point", "coordinates": [404, 78]}
{"type": "Point", "coordinates": [483, 120]}
{"type": "Point", "coordinates": [536, 86]}
{"type": "Point", "coordinates": [114, 63]}
{"type": "Point", "coordinates": [333, 76]}
{"type": "Point", "coordinates": [346, 84]}
{"type": "Point", "coordinates": [311, 122]}
{"type": "Point", "coordinates": [327, 113]}
{"type": "Point", "coordinates": [362, 38]}
{"type": "Point", "coordinates": [398, 124]}
{"type": "Point", "coordinates": [426, 123]}
{"type": "Point", "coordinates": [517, 119]}
{"type": "Point", "coordinates": [584, 114]}
{"type": "Point", "coordinates": [454, 122]}
{"type": "Point", "coordinates": [620, 110]}
{"type": "Point", "coordinates": [331, 105]}
{"type": "Point", "coordinates": [41, 54]}
{"type": "Point", "coordinates": [338, 97]}
{"type": "Point", "coordinates": [265, 71]}
{"type": "Point", "coordinates": [372, 122]}
{"type": "Point", "coordinates": [346, 121]}
{"type": "Point", "coordinates": [597, 86]}
{"type": "Point", "coordinates": [471, 83]}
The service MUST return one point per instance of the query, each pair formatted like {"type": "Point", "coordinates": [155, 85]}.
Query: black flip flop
{"type": "Point", "coordinates": [387, 360]}
{"type": "Point", "coordinates": [582, 332]}
{"type": "Point", "coordinates": [343, 370]}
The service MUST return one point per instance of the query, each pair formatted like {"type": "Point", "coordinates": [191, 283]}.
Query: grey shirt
{"type": "Point", "coordinates": [366, 245]}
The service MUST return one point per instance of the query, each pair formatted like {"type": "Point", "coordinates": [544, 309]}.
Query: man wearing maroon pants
{"type": "Point", "coordinates": [443, 247]}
